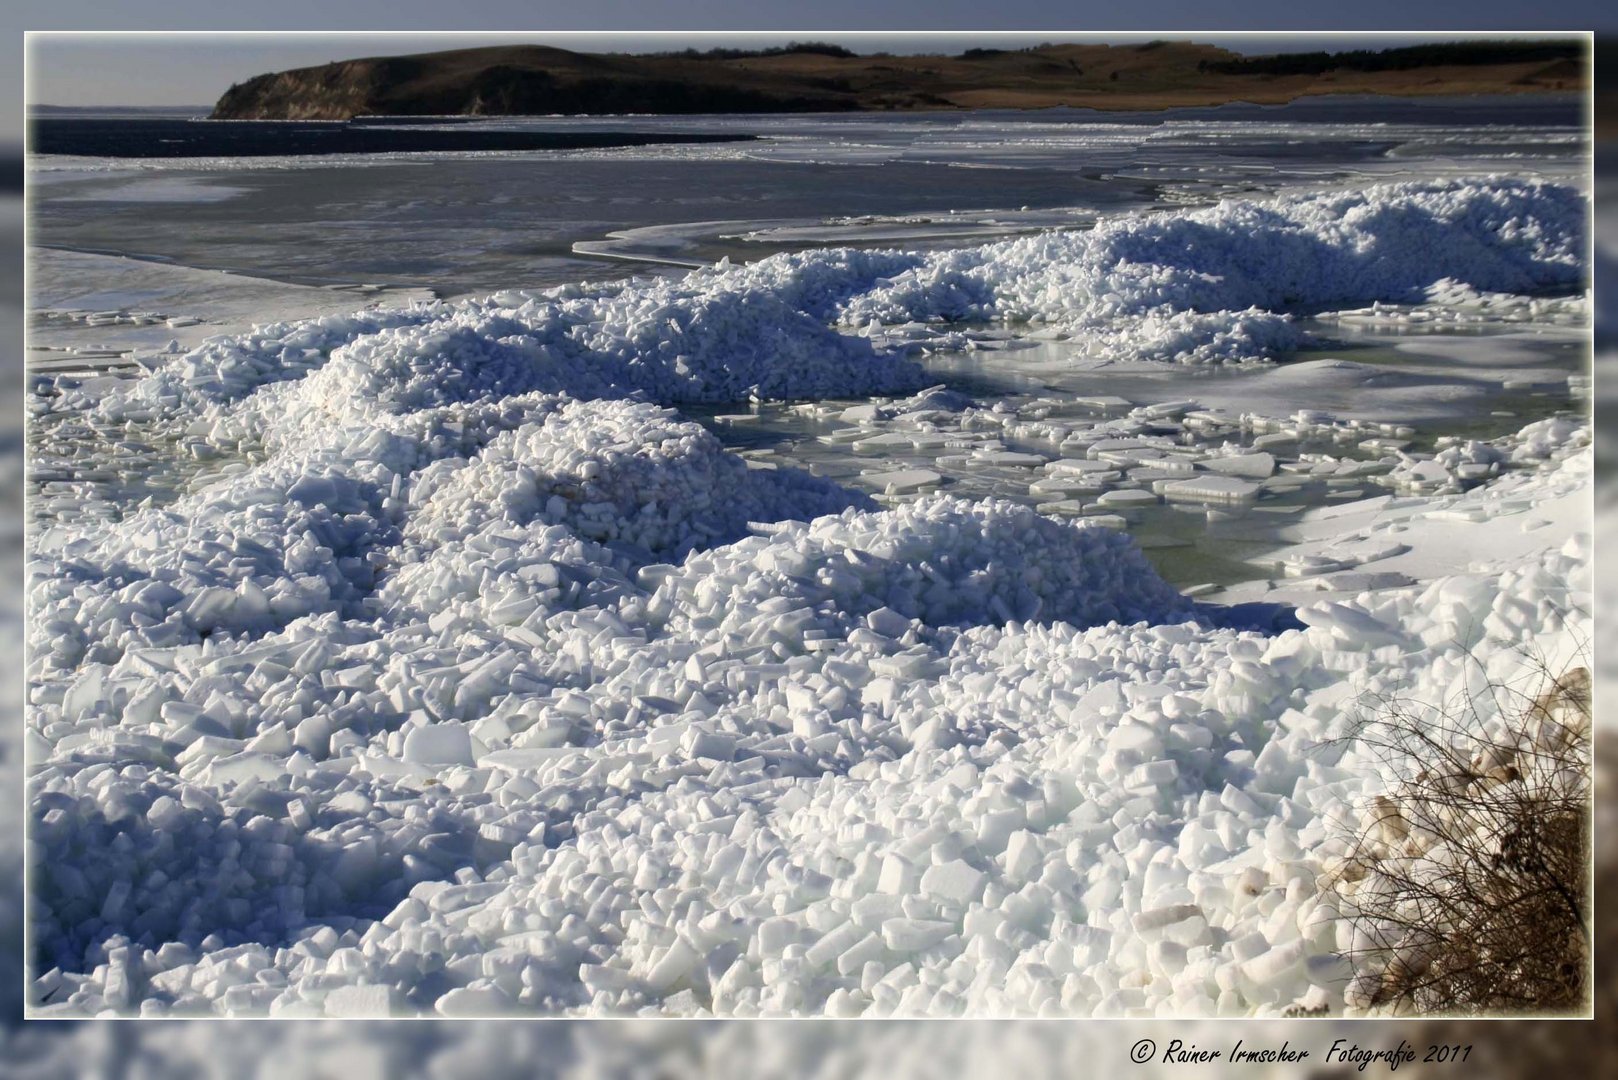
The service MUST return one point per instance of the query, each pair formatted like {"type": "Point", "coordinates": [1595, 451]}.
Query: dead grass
{"type": "Point", "coordinates": [1467, 885]}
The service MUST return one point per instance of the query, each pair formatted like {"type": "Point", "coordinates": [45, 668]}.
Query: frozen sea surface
{"type": "Point", "coordinates": [494, 220]}
{"type": "Point", "coordinates": [960, 628]}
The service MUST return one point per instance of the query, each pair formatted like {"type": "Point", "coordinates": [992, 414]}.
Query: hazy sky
{"type": "Point", "coordinates": [165, 68]}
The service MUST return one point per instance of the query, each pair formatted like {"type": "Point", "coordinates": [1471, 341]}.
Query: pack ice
{"type": "Point", "coordinates": [486, 683]}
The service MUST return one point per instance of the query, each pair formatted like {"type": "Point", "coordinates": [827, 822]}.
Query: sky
{"type": "Point", "coordinates": [163, 68]}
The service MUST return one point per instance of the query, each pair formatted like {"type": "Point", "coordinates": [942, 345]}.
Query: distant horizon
{"type": "Point", "coordinates": [64, 67]}
{"type": "Point", "coordinates": [108, 107]}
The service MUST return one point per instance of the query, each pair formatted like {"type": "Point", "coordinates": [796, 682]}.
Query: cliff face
{"type": "Point", "coordinates": [536, 80]}
{"type": "Point", "coordinates": [335, 91]}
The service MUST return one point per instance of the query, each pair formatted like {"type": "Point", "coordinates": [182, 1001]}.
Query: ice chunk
{"type": "Point", "coordinates": [956, 881]}
{"type": "Point", "coordinates": [914, 935]}
{"type": "Point", "coordinates": [904, 481]}
{"type": "Point", "coordinates": [1220, 490]}
{"type": "Point", "coordinates": [444, 743]}
{"type": "Point", "coordinates": [359, 1001]}
{"type": "Point", "coordinates": [1252, 466]}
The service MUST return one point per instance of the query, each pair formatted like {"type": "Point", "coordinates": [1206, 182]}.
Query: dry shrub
{"type": "Point", "coordinates": [1467, 885]}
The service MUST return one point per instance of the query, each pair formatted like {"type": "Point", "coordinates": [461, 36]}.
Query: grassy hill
{"type": "Point", "coordinates": [535, 79]}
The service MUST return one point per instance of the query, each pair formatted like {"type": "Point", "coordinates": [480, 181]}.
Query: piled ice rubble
{"type": "Point", "coordinates": [250, 706]}
{"type": "Point", "coordinates": [1197, 285]}
{"type": "Point", "coordinates": [768, 780]}
{"type": "Point", "coordinates": [1450, 302]}
{"type": "Point", "coordinates": [498, 687]}
{"type": "Point", "coordinates": [235, 828]}
{"type": "Point", "coordinates": [1549, 440]}
{"type": "Point", "coordinates": [613, 471]}
{"type": "Point", "coordinates": [711, 336]}
{"type": "Point", "coordinates": [306, 532]}
{"type": "Point", "coordinates": [766, 808]}
{"type": "Point", "coordinates": [1458, 463]}
{"type": "Point", "coordinates": [1212, 284]}
{"type": "Point", "coordinates": [298, 535]}
{"type": "Point", "coordinates": [939, 561]}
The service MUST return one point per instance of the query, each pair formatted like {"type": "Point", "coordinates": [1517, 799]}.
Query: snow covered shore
{"type": "Point", "coordinates": [497, 686]}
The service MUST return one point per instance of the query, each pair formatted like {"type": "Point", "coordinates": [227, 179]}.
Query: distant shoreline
{"type": "Point", "coordinates": [200, 113]}
{"type": "Point", "coordinates": [109, 132]}
{"type": "Point", "coordinates": [137, 137]}
{"type": "Point", "coordinates": [530, 80]}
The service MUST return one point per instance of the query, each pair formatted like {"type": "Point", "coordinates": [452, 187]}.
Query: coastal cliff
{"type": "Point", "coordinates": [537, 80]}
